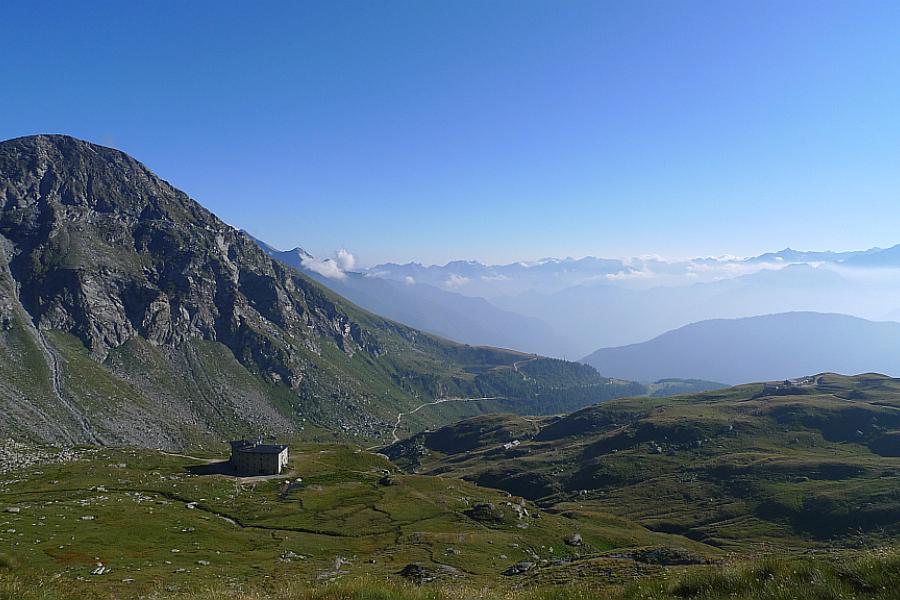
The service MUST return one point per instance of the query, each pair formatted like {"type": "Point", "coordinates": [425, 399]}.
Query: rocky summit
{"type": "Point", "coordinates": [130, 314]}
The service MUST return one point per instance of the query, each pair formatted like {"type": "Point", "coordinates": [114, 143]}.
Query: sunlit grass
{"type": "Point", "coordinates": [874, 575]}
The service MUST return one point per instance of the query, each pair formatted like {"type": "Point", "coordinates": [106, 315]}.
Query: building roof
{"type": "Point", "coordinates": [255, 448]}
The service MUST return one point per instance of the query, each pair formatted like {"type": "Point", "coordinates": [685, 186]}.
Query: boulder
{"type": "Point", "coordinates": [520, 568]}
{"type": "Point", "coordinates": [421, 574]}
{"type": "Point", "coordinates": [486, 512]}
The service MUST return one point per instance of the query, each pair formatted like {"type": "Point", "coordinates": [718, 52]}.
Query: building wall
{"type": "Point", "coordinates": [254, 463]}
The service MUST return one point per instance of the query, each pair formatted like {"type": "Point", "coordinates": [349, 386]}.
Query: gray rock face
{"type": "Point", "coordinates": [131, 314]}
{"type": "Point", "coordinates": [422, 574]}
{"type": "Point", "coordinates": [104, 249]}
{"type": "Point", "coordinates": [93, 244]}
{"type": "Point", "coordinates": [487, 512]}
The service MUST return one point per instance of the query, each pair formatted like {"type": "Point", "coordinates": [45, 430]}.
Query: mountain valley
{"type": "Point", "coordinates": [131, 315]}
{"type": "Point", "coordinates": [506, 300]}
{"type": "Point", "coordinates": [138, 332]}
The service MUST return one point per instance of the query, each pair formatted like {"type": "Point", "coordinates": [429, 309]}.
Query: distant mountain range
{"type": "Point", "coordinates": [130, 314]}
{"type": "Point", "coordinates": [466, 319]}
{"type": "Point", "coordinates": [608, 314]}
{"type": "Point", "coordinates": [762, 348]}
{"type": "Point", "coordinates": [551, 275]}
{"type": "Point", "coordinates": [568, 307]}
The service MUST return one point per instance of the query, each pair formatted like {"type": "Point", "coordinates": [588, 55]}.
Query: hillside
{"type": "Point", "coordinates": [810, 464]}
{"type": "Point", "coordinates": [335, 517]}
{"type": "Point", "coordinates": [106, 524]}
{"type": "Point", "coordinates": [769, 347]}
{"type": "Point", "coordinates": [762, 491]}
{"type": "Point", "coordinates": [129, 314]}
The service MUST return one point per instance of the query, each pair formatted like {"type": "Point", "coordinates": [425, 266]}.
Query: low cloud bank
{"type": "Point", "coordinates": [334, 267]}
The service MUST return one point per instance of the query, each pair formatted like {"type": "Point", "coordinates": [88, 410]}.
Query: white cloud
{"type": "Point", "coordinates": [456, 280]}
{"type": "Point", "coordinates": [332, 268]}
{"type": "Point", "coordinates": [633, 274]}
{"type": "Point", "coordinates": [327, 267]}
{"type": "Point", "coordinates": [345, 259]}
{"type": "Point", "coordinates": [409, 280]}
{"type": "Point", "coordinates": [731, 269]}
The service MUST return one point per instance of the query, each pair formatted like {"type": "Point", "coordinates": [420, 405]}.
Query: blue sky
{"type": "Point", "coordinates": [499, 131]}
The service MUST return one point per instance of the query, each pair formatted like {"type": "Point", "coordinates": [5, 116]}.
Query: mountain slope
{"type": "Point", "coordinates": [769, 347]}
{"type": "Point", "coordinates": [878, 258]}
{"type": "Point", "coordinates": [465, 319]}
{"type": "Point", "coordinates": [131, 314]}
{"type": "Point", "coordinates": [813, 463]}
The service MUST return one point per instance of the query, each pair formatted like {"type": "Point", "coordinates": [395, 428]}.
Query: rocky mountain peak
{"type": "Point", "coordinates": [101, 247]}
{"type": "Point", "coordinates": [131, 314]}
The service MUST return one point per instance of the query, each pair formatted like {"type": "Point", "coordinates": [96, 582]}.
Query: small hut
{"type": "Point", "coordinates": [255, 458]}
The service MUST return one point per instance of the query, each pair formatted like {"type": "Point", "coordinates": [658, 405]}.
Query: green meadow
{"type": "Point", "coordinates": [753, 492]}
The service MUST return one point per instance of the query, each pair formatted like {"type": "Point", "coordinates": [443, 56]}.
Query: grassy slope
{"type": "Point", "coordinates": [132, 511]}
{"type": "Point", "coordinates": [871, 575]}
{"type": "Point", "coordinates": [738, 468]}
{"type": "Point", "coordinates": [198, 394]}
{"type": "Point", "coordinates": [141, 526]}
{"type": "Point", "coordinates": [776, 472]}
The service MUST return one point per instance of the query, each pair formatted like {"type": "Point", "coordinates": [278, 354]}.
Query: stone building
{"type": "Point", "coordinates": [256, 458]}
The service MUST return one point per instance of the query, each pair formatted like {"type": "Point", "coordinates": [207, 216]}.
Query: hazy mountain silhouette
{"type": "Point", "coordinates": [762, 348]}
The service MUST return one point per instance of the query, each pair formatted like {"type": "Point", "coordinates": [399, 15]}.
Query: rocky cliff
{"type": "Point", "coordinates": [131, 314]}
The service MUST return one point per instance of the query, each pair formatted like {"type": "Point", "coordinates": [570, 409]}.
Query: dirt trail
{"type": "Point", "coordinates": [516, 364]}
{"type": "Point", "coordinates": [188, 456]}
{"type": "Point", "coordinates": [396, 438]}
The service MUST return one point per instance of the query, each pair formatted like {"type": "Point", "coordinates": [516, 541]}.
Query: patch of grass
{"type": "Point", "coordinates": [870, 576]}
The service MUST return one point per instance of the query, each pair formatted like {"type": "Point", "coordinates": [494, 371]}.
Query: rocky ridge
{"type": "Point", "coordinates": [131, 314]}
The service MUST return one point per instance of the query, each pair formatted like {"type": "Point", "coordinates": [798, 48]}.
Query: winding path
{"type": "Point", "coordinates": [421, 406]}
{"type": "Point", "coordinates": [188, 456]}
{"type": "Point", "coordinates": [400, 415]}
{"type": "Point", "coordinates": [516, 364]}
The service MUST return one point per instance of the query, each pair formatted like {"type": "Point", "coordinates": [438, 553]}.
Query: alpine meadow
{"type": "Point", "coordinates": [437, 301]}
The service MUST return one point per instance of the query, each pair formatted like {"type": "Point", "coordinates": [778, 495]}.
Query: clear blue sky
{"type": "Point", "coordinates": [492, 130]}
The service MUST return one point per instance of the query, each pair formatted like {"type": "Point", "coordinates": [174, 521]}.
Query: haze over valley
{"type": "Point", "coordinates": [571, 308]}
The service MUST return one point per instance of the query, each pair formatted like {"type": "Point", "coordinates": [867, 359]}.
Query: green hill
{"type": "Point", "coordinates": [810, 463]}
{"type": "Point", "coordinates": [148, 516]}
{"type": "Point", "coordinates": [346, 524]}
